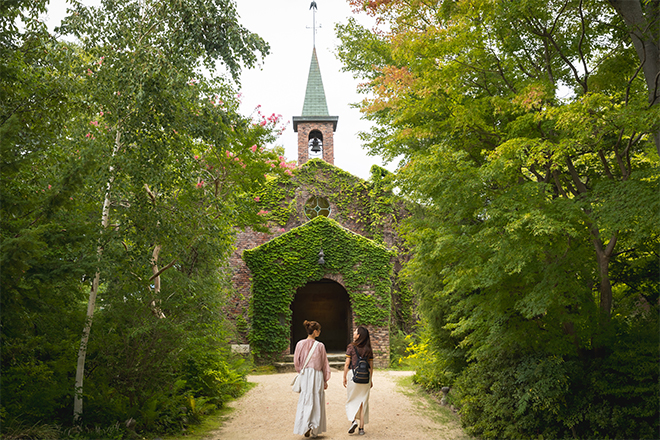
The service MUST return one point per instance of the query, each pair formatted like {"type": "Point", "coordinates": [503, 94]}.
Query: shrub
{"type": "Point", "coordinates": [610, 392]}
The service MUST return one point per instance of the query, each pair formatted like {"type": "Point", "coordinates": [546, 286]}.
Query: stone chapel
{"type": "Point", "coordinates": [331, 254]}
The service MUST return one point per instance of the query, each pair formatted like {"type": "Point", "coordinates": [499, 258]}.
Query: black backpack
{"type": "Point", "coordinates": [361, 371]}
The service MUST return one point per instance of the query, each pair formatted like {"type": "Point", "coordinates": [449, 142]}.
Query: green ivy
{"type": "Point", "coordinates": [403, 305]}
{"type": "Point", "coordinates": [282, 265]}
{"type": "Point", "coordinates": [349, 193]}
{"type": "Point", "coordinates": [381, 201]}
{"type": "Point", "coordinates": [366, 203]}
{"type": "Point", "coordinates": [276, 199]}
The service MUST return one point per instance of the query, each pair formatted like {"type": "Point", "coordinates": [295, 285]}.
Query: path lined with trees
{"type": "Point", "coordinates": [528, 138]}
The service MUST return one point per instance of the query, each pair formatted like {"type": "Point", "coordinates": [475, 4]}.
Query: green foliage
{"type": "Point", "coordinates": [241, 325]}
{"type": "Point", "coordinates": [398, 346]}
{"type": "Point", "coordinates": [516, 398]}
{"type": "Point", "coordinates": [604, 396]}
{"type": "Point", "coordinates": [44, 233]}
{"type": "Point", "coordinates": [276, 199]}
{"type": "Point", "coordinates": [148, 368]}
{"type": "Point", "coordinates": [181, 32]}
{"type": "Point", "coordinates": [122, 118]}
{"type": "Point", "coordinates": [404, 305]}
{"type": "Point", "coordinates": [212, 376]}
{"type": "Point", "coordinates": [430, 371]}
{"type": "Point", "coordinates": [526, 137]}
{"type": "Point", "coordinates": [290, 261]}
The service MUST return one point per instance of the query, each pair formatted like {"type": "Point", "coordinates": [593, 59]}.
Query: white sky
{"type": "Point", "coordinates": [279, 86]}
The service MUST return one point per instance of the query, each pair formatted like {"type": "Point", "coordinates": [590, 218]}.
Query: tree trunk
{"type": "Point", "coordinates": [603, 255]}
{"type": "Point", "coordinates": [91, 303]}
{"type": "Point", "coordinates": [643, 22]}
{"type": "Point", "coordinates": [154, 304]}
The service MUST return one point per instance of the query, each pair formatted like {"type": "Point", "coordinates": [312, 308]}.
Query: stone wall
{"type": "Point", "coordinates": [326, 129]}
{"type": "Point", "coordinates": [237, 306]}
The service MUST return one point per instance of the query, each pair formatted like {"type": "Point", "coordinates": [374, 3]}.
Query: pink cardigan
{"type": "Point", "coordinates": [319, 360]}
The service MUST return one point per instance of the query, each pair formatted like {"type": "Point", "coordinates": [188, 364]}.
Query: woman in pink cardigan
{"type": "Point", "coordinates": [310, 415]}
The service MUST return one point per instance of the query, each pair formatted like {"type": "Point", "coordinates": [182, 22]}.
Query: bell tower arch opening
{"type": "Point", "coordinates": [315, 144]}
{"type": "Point", "coordinates": [327, 302]}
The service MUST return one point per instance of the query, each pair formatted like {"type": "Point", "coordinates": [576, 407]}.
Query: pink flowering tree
{"type": "Point", "coordinates": [237, 167]}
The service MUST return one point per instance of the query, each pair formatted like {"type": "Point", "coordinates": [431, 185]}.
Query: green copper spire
{"type": "Point", "coordinates": [315, 103]}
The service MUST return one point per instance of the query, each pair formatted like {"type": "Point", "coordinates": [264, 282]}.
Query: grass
{"type": "Point", "coordinates": [401, 365]}
{"type": "Point", "coordinates": [19, 431]}
{"type": "Point", "coordinates": [429, 405]}
{"type": "Point", "coordinates": [260, 370]}
{"type": "Point", "coordinates": [205, 429]}
{"type": "Point", "coordinates": [209, 424]}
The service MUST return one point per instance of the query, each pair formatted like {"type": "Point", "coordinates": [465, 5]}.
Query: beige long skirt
{"type": "Point", "coordinates": [356, 394]}
{"type": "Point", "coordinates": [310, 413]}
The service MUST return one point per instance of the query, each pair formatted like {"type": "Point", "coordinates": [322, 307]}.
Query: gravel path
{"type": "Point", "coordinates": [267, 412]}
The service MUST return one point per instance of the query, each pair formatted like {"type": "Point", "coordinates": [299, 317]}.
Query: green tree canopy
{"type": "Point", "coordinates": [125, 171]}
{"type": "Point", "coordinates": [525, 135]}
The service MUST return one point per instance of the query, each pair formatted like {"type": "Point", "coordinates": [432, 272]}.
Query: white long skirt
{"type": "Point", "coordinates": [311, 403]}
{"type": "Point", "coordinates": [356, 394]}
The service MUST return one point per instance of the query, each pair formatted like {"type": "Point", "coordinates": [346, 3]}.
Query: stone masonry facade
{"type": "Point", "coordinates": [237, 306]}
{"type": "Point", "coordinates": [326, 129]}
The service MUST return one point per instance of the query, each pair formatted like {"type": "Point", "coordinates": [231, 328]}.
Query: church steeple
{"type": "Point", "coordinates": [315, 127]}
{"type": "Point", "coordinates": [315, 103]}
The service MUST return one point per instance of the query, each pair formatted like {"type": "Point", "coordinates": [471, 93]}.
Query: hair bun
{"type": "Point", "coordinates": [311, 326]}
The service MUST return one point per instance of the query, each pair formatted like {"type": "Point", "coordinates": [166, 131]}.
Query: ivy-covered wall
{"type": "Point", "coordinates": [365, 207]}
{"type": "Point", "coordinates": [282, 265]}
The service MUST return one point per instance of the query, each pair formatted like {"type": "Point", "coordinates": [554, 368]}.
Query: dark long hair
{"type": "Point", "coordinates": [363, 343]}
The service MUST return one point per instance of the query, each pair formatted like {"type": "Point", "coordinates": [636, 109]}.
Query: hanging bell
{"type": "Point", "coordinates": [316, 146]}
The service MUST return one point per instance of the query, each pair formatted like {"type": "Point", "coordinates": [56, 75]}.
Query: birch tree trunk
{"type": "Point", "coordinates": [154, 304]}
{"type": "Point", "coordinates": [91, 303]}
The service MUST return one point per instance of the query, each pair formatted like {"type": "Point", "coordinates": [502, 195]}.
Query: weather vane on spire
{"type": "Point", "coordinates": [313, 7]}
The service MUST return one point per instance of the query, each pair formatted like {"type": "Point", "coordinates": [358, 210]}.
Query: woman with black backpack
{"type": "Point", "coordinates": [360, 364]}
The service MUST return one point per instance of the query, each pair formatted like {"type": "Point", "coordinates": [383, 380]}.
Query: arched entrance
{"type": "Point", "coordinates": [325, 301]}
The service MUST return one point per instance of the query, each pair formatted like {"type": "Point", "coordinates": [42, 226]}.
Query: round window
{"type": "Point", "coordinates": [316, 206]}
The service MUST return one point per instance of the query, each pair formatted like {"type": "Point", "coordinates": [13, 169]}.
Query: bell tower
{"type": "Point", "coordinates": [315, 127]}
